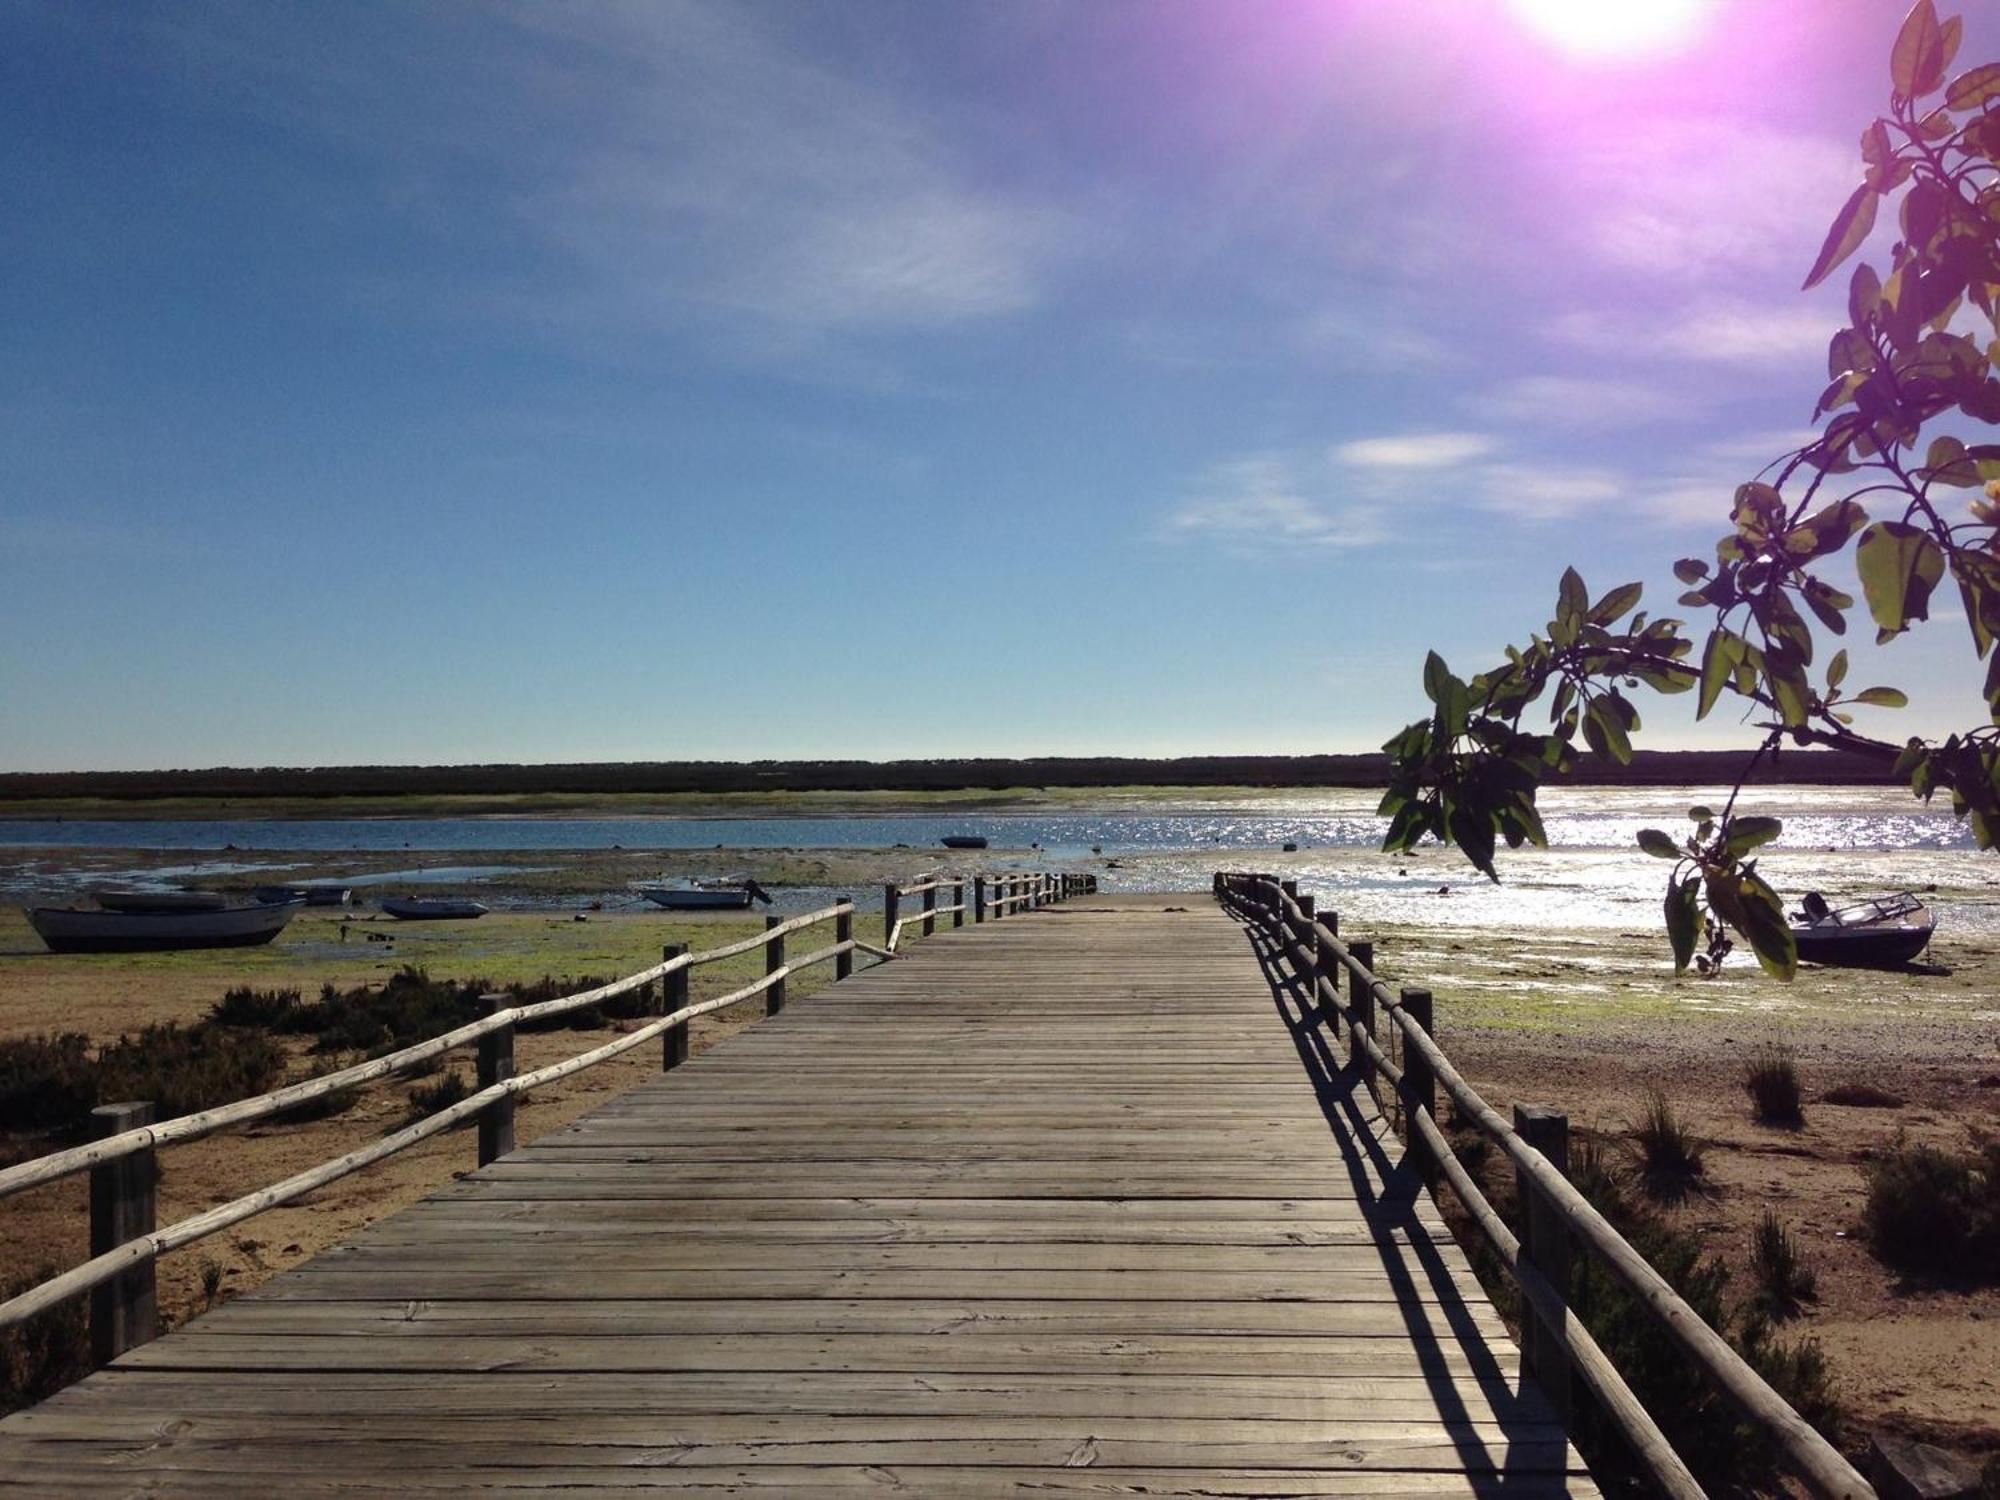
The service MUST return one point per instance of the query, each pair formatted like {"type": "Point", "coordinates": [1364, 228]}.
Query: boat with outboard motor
{"type": "Point", "coordinates": [706, 895]}
{"type": "Point", "coordinates": [1883, 930]}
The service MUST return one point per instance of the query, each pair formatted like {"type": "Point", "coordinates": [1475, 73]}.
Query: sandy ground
{"type": "Point", "coordinates": [1586, 1020]}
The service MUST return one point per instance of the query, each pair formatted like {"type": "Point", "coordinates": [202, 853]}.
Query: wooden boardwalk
{"type": "Point", "coordinates": [1050, 1206]}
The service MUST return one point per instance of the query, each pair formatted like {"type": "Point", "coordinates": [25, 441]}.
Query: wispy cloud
{"type": "Point", "coordinates": [1686, 199]}
{"type": "Point", "coordinates": [1574, 403]}
{"type": "Point", "coordinates": [1722, 333]}
{"type": "Point", "coordinates": [1263, 503]}
{"type": "Point", "coordinates": [1414, 450]}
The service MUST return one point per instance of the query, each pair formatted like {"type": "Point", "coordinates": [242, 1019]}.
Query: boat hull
{"type": "Point", "coordinates": [69, 931]}
{"type": "Point", "coordinates": [733, 900]}
{"type": "Point", "coordinates": [413, 909]}
{"type": "Point", "coordinates": [963, 841]}
{"type": "Point", "coordinates": [1862, 947]}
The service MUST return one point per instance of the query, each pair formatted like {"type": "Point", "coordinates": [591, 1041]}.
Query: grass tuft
{"type": "Point", "coordinates": [1779, 1269]}
{"type": "Point", "coordinates": [428, 1098]}
{"type": "Point", "coordinates": [1669, 1154]}
{"type": "Point", "coordinates": [1771, 1079]}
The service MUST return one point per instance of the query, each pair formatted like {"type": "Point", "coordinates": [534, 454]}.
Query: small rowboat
{"type": "Point", "coordinates": [430, 909]}
{"type": "Point", "coordinates": [716, 895]}
{"type": "Point", "coordinates": [1887, 930]}
{"type": "Point", "coordinates": [963, 841]}
{"type": "Point", "coordinates": [312, 895]}
{"type": "Point", "coordinates": [78, 930]}
{"type": "Point", "coordinates": [137, 901]}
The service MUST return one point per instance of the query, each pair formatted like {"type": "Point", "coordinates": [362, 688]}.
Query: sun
{"type": "Point", "coordinates": [1615, 28]}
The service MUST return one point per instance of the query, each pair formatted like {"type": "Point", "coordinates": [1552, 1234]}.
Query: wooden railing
{"type": "Point", "coordinates": [993, 897]}
{"type": "Point", "coordinates": [1554, 1214]}
{"type": "Point", "coordinates": [125, 1244]}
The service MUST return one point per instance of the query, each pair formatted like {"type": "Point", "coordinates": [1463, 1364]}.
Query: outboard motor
{"type": "Point", "coordinates": [757, 892]}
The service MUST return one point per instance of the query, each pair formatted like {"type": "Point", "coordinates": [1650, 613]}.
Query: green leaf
{"type": "Point", "coordinates": [1864, 295]}
{"type": "Point", "coordinates": [1836, 670]}
{"type": "Point", "coordinates": [1658, 844]}
{"type": "Point", "coordinates": [1604, 729]}
{"type": "Point", "coordinates": [1690, 570]}
{"type": "Point", "coordinates": [1472, 830]}
{"type": "Point", "coordinates": [1850, 228]}
{"type": "Point", "coordinates": [1683, 920]}
{"type": "Point", "coordinates": [1437, 678]}
{"type": "Point", "coordinates": [1746, 834]}
{"type": "Point", "coordinates": [1916, 62]}
{"type": "Point", "coordinates": [1882, 697]}
{"type": "Point", "coordinates": [1718, 661]}
{"type": "Point", "coordinates": [1973, 87]}
{"type": "Point", "coordinates": [1619, 602]}
{"type": "Point", "coordinates": [1701, 814]}
{"type": "Point", "coordinates": [1764, 925]}
{"type": "Point", "coordinates": [1899, 566]}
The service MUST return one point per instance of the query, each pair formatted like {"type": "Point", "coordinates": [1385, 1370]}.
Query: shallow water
{"type": "Point", "coordinates": [1840, 840]}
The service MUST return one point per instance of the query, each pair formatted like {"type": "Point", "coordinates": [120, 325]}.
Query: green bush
{"type": "Point", "coordinates": [46, 1353]}
{"type": "Point", "coordinates": [1936, 1211]}
{"type": "Point", "coordinates": [244, 1006]}
{"type": "Point", "coordinates": [428, 1098]}
{"type": "Point", "coordinates": [46, 1082]}
{"type": "Point", "coordinates": [184, 1069]}
{"type": "Point", "coordinates": [53, 1082]}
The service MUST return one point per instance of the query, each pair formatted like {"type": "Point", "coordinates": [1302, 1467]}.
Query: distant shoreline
{"type": "Point", "coordinates": [800, 787]}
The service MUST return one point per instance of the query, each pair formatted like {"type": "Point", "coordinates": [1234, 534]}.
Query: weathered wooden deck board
{"type": "Point", "coordinates": [1049, 1206]}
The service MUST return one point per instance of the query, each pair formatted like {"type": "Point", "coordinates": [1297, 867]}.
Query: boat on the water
{"type": "Point", "coordinates": [706, 895]}
{"type": "Point", "coordinates": [1886, 930]}
{"type": "Point", "coordinates": [143, 901]}
{"type": "Point", "coordinates": [68, 929]}
{"type": "Point", "coordinates": [963, 841]}
{"type": "Point", "coordinates": [431, 908]}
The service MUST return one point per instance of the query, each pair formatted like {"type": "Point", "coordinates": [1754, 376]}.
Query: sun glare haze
{"type": "Point", "coordinates": [1616, 28]}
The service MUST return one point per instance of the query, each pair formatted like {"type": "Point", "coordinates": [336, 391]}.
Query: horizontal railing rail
{"type": "Point", "coordinates": [993, 897]}
{"type": "Point", "coordinates": [1554, 1212]}
{"type": "Point", "coordinates": [122, 1163]}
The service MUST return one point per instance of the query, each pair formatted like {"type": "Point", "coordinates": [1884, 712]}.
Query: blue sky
{"type": "Point", "coordinates": [532, 382]}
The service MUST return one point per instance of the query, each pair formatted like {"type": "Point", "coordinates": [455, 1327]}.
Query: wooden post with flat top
{"type": "Point", "coordinates": [1361, 1001]}
{"type": "Point", "coordinates": [496, 1065]}
{"type": "Point", "coordinates": [124, 1312]}
{"type": "Point", "coordinates": [978, 899]}
{"type": "Point", "coordinates": [1420, 1080]}
{"type": "Point", "coordinates": [958, 903]}
{"type": "Point", "coordinates": [774, 960]}
{"type": "Point", "coordinates": [930, 906]}
{"type": "Point", "coordinates": [892, 899]}
{"type": "Point", "coordinates": [1545, 1243]}
{"type": "Point", "coordinates": [843, 932]}
{"type": "Point", "coordinates": [674, 1040]}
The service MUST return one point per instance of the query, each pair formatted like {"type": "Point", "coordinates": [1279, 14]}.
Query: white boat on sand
{"type": "Point", "coordinates": [431, 908]}
{"type": "Point", "coordinates": [706, 895]}
{"type": "Point", "coordinates": [1885, 930]}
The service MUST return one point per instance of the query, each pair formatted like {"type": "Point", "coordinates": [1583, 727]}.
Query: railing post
{"type": "Point", "coordinates": [978, 898]}
{"type": "Point", "coordinates": [1420, 1080]}
{"type": "Point", "coordinates": [892, 899]}
{"type": "Point", "coordinates": [1361, 1000]}
{"type": "Point", "coordinates": [496, 1065]}
{"type": "Point", "coordinates": [843, 932]}
{"type": "Point", "coordinates": [930, 906]}
{"type": "Point", "coordinates": [1545, 1243]}
{"type": "Point", "coordinates": [1290, 888]}
{"type": "Point", "coordinates": [958, 902]}
{"type": "Point", "coordinates": [774, 960]}
{"type": "Point", "coordinates": [1315, 964]}
{"type": "Point", "coordinates": [674, 1040]}
{"type": "Point", "coordinates": [124, 1312]}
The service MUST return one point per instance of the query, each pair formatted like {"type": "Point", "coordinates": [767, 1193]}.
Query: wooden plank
{"type": "Point", "coordinates": [1049, 1205]}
